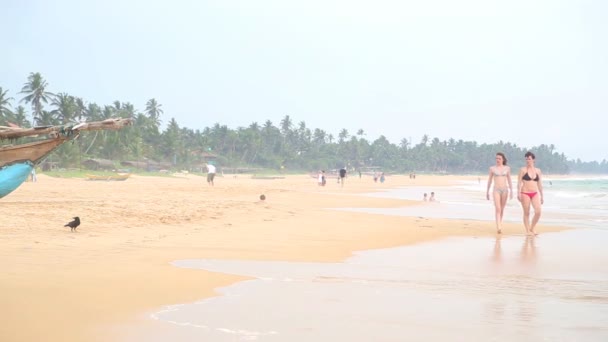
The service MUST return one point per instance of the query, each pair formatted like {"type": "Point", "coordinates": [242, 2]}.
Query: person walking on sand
{"type": "Point", "coordinates": [210, 173]}
{"type": "Point", "coordinates": [342, 175]}
{"type": "Point", "coordinates": [530, 192]}
{"type": "Point", "coordinates": [500, 175]}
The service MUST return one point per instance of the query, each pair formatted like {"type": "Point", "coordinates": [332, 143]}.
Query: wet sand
{"type": "Point", "coordinates": [63, 286]}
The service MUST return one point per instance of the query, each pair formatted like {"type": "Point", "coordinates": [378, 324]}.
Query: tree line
{"type": "Point", "coordinates": [288, 145]}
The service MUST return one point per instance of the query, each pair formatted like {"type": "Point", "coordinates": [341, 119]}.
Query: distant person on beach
{"type": "Point", "coordinates": [382, 178]}
{"type": "Point", "coordinates": [530, 192]}
{"type": "Point", "coordinates": [425, 197]}
{"type": "Point", "coordinates": [500, 175]}
{"type": "Point", "coordinates": [210, 173]}
{"type": "Point", "coordinates": [432, 198]}
{"type": "Point", "coordinates": [34, 178]}
{"type": "Point", "coordinates": [342, 175]}
{"type": "Point", "coordinates": [321, 179]}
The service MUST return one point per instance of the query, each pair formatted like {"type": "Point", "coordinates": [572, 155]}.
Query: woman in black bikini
{"type": "Point", "coordinates": [500, 174]}
{"type": "Point", "coordinates": [530, 192]}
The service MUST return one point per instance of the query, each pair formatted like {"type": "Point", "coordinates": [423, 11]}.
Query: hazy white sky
{"type": "Point", "coordinates": [528, 72]}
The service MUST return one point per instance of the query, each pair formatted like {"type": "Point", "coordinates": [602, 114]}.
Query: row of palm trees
{"type": "Point", "coordinates": [286, 145]}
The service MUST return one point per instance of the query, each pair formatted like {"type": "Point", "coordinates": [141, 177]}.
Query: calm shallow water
{"type": "Point", "coordinates": [565, 204]}
{"type": "Point", "coordinates": [550, 288]}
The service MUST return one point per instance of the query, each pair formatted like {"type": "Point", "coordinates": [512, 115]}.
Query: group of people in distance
{"type": "Point", "coordinates": [341, 175]}
{"type": "Point", "coordinates": [529, 190]}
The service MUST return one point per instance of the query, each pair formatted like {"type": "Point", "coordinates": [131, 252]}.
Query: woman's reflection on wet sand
{"type": "Point", "coordinates": [528, 250]}
{"type": "Point", "coordinates": [509, 300]}
{"type": "Point", "coordinates": [497, 255]}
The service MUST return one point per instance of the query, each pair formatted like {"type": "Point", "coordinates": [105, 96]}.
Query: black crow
{"type": "Point", "coordinates": [73, 224]}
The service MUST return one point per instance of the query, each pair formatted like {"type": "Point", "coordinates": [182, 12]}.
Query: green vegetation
{"type": "Point", "coordinates": [286, 148]}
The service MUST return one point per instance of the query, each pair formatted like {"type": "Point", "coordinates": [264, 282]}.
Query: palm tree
{"type": "Point", "coordinates": [20, 117]}
{"type": "Point", "coordinates": [65, 107]}
{"type": "Point", "coordinates": [81, 109]}
{"type": "Point", "coordinates": [128, 110]}
{"type": "Point", "coordinates": [117, 105]}
{"type": "Point", "coordinates": [425, 140]}
{"type": "Point", "coordinates": [154, 111]}
{"type": "Point", "coordinates": [93, 112]}
{"type": "Point", "coordinates": [35, 94]}
{"type": "Point", "coordinates": [47, 118]}
{"type": "Point", "coordinates": [286, 124]}
{"type": "Point", "coordinates": [343, 135]}
{"type": "Point", "coordinates": [5, 105]}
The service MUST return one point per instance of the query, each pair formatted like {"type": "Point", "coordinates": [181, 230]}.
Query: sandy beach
{"type": "Point", "coordinates": [62, 286]}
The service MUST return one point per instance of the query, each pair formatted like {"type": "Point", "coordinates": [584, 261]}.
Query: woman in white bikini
{"type": "Point", "coordinates": [500, 174]}
{"type": "Point", "coordinates": [530, 192]}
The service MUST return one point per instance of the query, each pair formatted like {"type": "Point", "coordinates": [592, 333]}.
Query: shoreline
{"type": "Point", "coordinates": [118, 266]}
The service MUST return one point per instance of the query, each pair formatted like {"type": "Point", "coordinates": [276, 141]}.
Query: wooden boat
{"type": "Point", "coordinates": [117, 177]}
{"type": "Point", "coordinates": [18, 160]}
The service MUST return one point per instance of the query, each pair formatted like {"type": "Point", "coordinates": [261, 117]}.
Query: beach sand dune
{"type": "Point", "coordinates": [58, 285]}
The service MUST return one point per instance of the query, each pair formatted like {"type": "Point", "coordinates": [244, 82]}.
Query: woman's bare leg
{"type": "Point", "coordinates": [498, 211]}
{"type": "Point", "coordinates": [503, 204]}
{"type": "Point", "coordinates": [537, 211]}
{"type": "Point", "coordinates": [525, 205]}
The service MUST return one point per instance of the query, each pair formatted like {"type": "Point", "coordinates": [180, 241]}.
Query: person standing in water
{"type": "Point", "coordinates": [530, 192]}
{"type": "Point", "coordinates": [500, 175]}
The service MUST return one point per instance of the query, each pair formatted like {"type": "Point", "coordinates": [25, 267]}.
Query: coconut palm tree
{"type": "Point", "coordinates": [35, 94]}
{"type": "Point", "coordinates": [5, 104]}
{"type": "Point", "coordinates": [343, 135]}
{"type": "Point", "coordinates": [154, 111]}
{"type": "Point", "coordinates": [65, 107]}
{"type": "Point", "coordinates": [47, 118]}
{"type": "Point", "coordinates": [20, 117]}
{"type": "Point", "coordinates": [81, 109]}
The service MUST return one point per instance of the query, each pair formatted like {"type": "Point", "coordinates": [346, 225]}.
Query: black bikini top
{"type": "Point", "coordinates": [526, 177]}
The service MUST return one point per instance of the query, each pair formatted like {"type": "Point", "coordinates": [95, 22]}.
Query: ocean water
{"type": "Point", "coordinates": [575, 202]}
{"type": "Point", "coordinates": [553, 287]}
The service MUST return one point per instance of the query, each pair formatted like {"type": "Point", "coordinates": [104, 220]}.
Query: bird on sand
{"type": "Point", "coordinates": [73, 224]}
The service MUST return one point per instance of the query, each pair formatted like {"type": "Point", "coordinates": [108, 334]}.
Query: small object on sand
{"type": "Point", "coordinates": [262, 197]}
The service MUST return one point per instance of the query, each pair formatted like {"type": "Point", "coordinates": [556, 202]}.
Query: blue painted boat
{"type": "Point", "coordinates": [13, 175]}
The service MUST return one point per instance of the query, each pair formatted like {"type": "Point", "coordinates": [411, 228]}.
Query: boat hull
{"type": "Point", "coordinates": [119, 177]}
{"type": "Point", "coordinates": [32, 152]}
{"type": "Point", "coordinates": [17, 162]}
{"type": "Point", "coordinates": [13, 175]}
